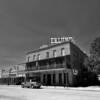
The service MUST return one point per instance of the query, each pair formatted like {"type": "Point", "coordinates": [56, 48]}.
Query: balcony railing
{"type": "Point", "coordinates": [54, 66]}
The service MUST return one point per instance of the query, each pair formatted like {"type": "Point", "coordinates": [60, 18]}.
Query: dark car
{"type": "Point", "coordinates": [31, 84]}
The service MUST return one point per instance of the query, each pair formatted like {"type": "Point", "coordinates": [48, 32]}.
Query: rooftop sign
{"type": "Point", "coordinates": [60, 40]}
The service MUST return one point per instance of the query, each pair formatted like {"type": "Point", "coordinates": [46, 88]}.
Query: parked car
{"type": "Point", "coordinates": [31, 84]}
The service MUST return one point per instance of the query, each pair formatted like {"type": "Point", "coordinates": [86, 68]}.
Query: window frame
{"type": "Point", "coordinates": [54, 53]}
{"type": "Point", "coordinates": [38, 56]}
{"type": "Point", "coordinates": [47, 54]}
{"type": "Point", "coordinates": [63, 52]}
{"type": "Point", "coordinates": [34, 57]}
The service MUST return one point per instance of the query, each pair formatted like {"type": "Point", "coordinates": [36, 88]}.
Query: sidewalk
{"type": "Point", "coordinates": [90, 88]}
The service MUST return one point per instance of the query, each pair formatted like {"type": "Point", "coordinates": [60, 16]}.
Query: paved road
{"type": "Point", "coordinates": [18, 93]}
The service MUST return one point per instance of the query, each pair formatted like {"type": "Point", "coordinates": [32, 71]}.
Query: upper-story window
{"type": "Point", "coordinates": [28, 59]}
{"type": "Point", "coordinates": [47, 54]}
{"type": "Point", "coordinates": [38, 57]}
{"type": "Point", "coordinates": [62, 52]}
{"type": "Point", "coordinates": [34, 57]}
{"type": "Point", "coordinates": [54, 53]}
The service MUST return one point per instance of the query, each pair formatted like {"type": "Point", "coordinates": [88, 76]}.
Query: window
{"type": "Point", "coordinates": [47, 54]}
{"type": "Point", "coordinates": [54, 53]}
{"type": "Point", "coordinates": [28, 59]}
{"type": "Point", "coordinates": [62, 52]}
{"type": "Point", "coordinates": [38, 57]}
{"type": "Point", "coordinates": [34, 57]}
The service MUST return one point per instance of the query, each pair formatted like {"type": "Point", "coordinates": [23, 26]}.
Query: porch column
{"type": "Point", "coordinates": [52, 79]}
{"type": "Point", "coordinates": [41, 78]}
{"type": "Point", "coordinates": [57, 78]}
{"type": "Point", "coordinates": [62, 77]}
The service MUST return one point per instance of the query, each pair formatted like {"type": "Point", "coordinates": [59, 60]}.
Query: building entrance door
{"type": "Point", "coordinates": [48, 79]}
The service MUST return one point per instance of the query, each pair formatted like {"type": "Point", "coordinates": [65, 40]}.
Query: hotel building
{"type": "Point", "coordinates": [59, 64]}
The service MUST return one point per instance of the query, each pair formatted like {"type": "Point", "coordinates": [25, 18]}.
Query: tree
{"type": "Point", "coordinates": [95, 55]}
{"type": "Point", "coordinates": [90, 74]}
{"type": "Point", "coordinates": [92, 63]}
{"type": "Point", "coordinates": [88, 63]}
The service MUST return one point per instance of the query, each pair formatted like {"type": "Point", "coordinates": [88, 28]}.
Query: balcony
{"type": "Point", "coordinates": [45, 67]}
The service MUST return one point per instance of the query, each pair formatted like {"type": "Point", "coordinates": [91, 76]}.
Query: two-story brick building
{"type": "Point", "coordinates": [58, 64]}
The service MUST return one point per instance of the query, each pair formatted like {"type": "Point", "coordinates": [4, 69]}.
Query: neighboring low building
{"type": "Point", "coordinates": [21, 70]}
{"type": "Point", "coordinates": [13, 74]}
{"type": "Point", "coordinates": [4, 73]}
{"type": "Point", "coordinates": [58, 64]}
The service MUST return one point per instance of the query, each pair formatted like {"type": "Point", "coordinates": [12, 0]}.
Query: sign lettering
{"type": "Point", "coordinates": [60, 40]}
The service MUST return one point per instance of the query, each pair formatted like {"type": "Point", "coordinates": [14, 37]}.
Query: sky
{"type": "Point", "coordinates": [27, 24]}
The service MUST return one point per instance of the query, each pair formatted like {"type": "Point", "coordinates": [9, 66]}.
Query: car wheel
{"type": "Point", "coordinates": [22, 86]}
{"type": "Point", "coordinates": [38, 87]}
{"type": "Point", "coordinates": [32, 86]}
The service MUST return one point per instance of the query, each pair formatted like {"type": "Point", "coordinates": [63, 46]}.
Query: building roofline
{"type": "Point", "coordinates": [50, 46]}
{"type": "Point", "coordinates": [80, 49]}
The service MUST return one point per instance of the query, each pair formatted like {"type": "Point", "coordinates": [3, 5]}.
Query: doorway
{"type": "Point", "coordinates": [48, 79]}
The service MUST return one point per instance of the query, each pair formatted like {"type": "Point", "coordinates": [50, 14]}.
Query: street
{"type": "Point", "coordinates": [47, 93]}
